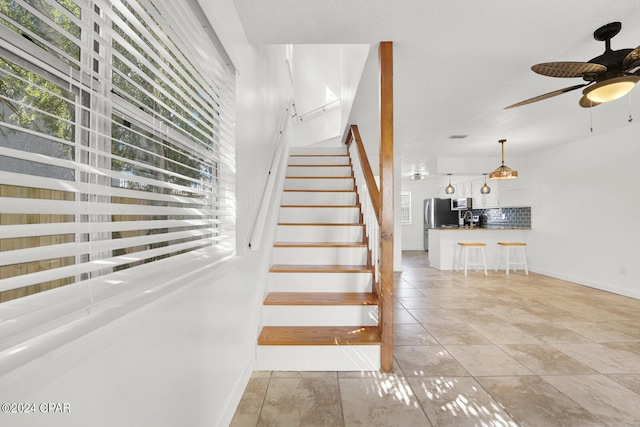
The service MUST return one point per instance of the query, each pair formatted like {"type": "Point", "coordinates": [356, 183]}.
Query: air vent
{"type": "Point", "coordinates": [458, 136]}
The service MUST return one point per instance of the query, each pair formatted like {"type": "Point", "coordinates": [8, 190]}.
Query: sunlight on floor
{"type": "Point", "coordinates": [464, 404]}
{"type": "Point", "coordinates": [476, 351]}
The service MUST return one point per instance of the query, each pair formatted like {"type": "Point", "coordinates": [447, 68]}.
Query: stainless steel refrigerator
{"type": "Point", "coordinates": [437, 212]}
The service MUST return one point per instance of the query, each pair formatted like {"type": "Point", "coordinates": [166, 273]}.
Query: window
{"type": "Point", "coordinates": [116, 142]}
{"type": "Point", "coordinates": [405, 207]}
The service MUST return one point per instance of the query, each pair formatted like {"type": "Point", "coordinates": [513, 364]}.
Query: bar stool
{"type": "Point", "coordinates": [475, 262]}
{"type": "Point", "coordinates": [504, 250]}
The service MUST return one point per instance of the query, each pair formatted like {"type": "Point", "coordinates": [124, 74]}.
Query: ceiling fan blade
{"type": "Point", "coordinates": [587, 103]}
{"type": "Point", "coordinates": [632, 60]}
{"type": "Point", "coordinates": [568, 69]}
{"type": "Point", "coordinates": [547, 95]}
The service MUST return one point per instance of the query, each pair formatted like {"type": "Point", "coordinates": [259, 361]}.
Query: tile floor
{"type": "Point", "coordinates": [476, 351]}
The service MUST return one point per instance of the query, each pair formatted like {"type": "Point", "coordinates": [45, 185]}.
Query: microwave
{"type": "Point", "coordinates": [461, 204]}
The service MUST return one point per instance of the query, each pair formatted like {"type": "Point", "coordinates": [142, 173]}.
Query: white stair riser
{"type": "Point", "coordinates": [319, 184]}
{"type": "Point", "coordinates": [322, 198]}
{"type": "Point", "coordinates": [319, 160]}
{"type": "Point", "coordinates": [319, 171]}
{"type": "Point", "coordinates": [320, 233]}
{"type": "Point", "coordinates": [318, 358]}
{"type": "Point", "coordinates": [333, 208]}
{"type": "Point", "coordinates": [314, 315]}
{"type": "Point", "coordinates": [320, 282]}
{"type": "Point", "coordinates": [337, 215]}
{"type": "Point", "coordinates": [320, 256]}
{"type": "Point", "coordinates": [318, 151]}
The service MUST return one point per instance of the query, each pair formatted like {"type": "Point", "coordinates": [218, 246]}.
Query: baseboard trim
{"type": "Point", "coordinates": [236, 394]}
{"type": "Point", "coordinates": [586, 282]}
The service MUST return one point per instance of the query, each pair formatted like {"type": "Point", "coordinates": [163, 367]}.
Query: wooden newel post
{"type": "Point", "coordinates": [385, 55]}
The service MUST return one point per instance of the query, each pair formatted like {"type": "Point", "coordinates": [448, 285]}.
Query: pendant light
{"type": "Point", "coordinates": [450, 188]}
{"type": "Point", "coordinates": [485, 189]}
{"type": "Point", "coordinates": [503, 172]}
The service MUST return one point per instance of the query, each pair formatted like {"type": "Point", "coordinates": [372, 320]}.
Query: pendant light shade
{"type": "Point", "coordinates": [450, 188]}
{"type": "Point", "coordinates": [503, 172]}
{"type": "Point", "coordinates": [485, 189]}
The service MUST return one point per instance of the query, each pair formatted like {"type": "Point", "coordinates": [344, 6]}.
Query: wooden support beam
{"type": "Point", "coordinates": [385, 58]}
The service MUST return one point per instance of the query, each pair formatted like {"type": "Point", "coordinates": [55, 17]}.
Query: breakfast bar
{"type": "Point", "coordinates": [444, 241]}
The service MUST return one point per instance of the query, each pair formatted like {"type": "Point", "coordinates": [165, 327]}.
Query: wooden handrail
{"type": "Point", "coordinates": [374, 193]}
{"type": "Point", "coordinates": [382, 201]}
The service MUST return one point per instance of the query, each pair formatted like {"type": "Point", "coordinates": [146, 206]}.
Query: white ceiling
{"type": "Point", "coordinates": [457, 64]}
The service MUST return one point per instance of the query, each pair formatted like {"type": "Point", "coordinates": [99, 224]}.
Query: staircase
{"type": "Point", "coordinates": [320, 313]}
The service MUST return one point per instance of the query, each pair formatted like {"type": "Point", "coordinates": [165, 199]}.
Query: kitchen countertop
{"type": "Point", "coordinates": [491, 227]}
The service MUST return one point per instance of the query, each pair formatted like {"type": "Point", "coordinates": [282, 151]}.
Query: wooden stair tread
{"type": "Point", "coordinates": [322, 224]}
{"type": "Point", "coordinates": [320, 245]}
{"type": "Point", "coordinates": [299, 268]}
{"type": "Point", "coordinates": [321, 206]}
{"type": "Point", "coordinates": [319, 155]}
{"type": "Point", "coordinates": [318, 191]}
{"type": "Point", "coordinates": [322, 165]}
{"type": "Point", "coordinates": [319, 335]}
{"type": "Point", "coordinates": [321, 298]}
{"type": "Point", "coordinates": [320, 177]}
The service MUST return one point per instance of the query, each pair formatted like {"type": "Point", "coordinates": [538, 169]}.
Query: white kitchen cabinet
{"type": "Point", "coordinates": [472, 189]}
{"type": "Point", "coordinates": [465, 188]}
{"type": "Point", "coordinates": [480, 200]}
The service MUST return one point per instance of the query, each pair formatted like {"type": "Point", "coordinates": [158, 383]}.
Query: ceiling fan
{"type": "Point", "coordinates": [609, 76]}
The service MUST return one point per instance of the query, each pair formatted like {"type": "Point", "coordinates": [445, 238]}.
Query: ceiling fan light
{"type": "Point", "coordinates": [611, 89]}
{"type": "Point", "coordinates": [418, 176]}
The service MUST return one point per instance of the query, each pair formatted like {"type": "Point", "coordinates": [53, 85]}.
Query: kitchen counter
{"type": "Point", "coordinates": [488, 228]}
{"type": "Point", "coordinates": [443, 243]}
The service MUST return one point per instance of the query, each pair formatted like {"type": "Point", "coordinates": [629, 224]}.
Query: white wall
{"type": "Point", "coordinates": [323, 74]}
{"type": "Point", "coordinates": [583, 205]}
{"type": "Point", "coordinates": [413, 234]}
{"type": "Point", "coordinates": [184, 359]}
{"type": "Point", "coordinates": [353, 59]}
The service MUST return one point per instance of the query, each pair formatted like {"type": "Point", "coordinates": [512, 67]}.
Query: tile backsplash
{"type": "Point", "coordinates": [506, 217]}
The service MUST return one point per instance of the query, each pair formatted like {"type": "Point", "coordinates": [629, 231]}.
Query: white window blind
{"type": "Point", "coordinates": [405, 207]}
{"type": "Point", "coordinates": [116, 141]}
